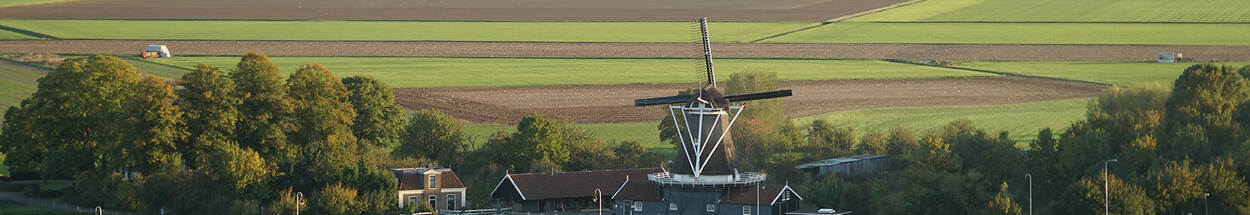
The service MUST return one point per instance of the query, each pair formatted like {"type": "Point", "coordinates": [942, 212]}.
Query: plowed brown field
{"type": "Point", "coordinates": [590, 10]}
{"type": "Point", "coordinates": [640, 50]}
{"type": "Point", "coordinates": [613, 103]}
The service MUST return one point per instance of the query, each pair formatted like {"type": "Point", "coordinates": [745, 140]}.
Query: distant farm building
{"type": "Point", "coordinates": [438, 187]}
{"type": "Point", "coordinates": [155, 51]}
{"type": "Point", "coordinates": [854, 165]}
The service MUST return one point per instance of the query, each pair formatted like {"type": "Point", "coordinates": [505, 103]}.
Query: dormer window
{"type": "Point", "coordinates": [433, 181]}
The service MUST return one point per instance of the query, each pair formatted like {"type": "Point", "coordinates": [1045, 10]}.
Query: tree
{"type": "Point", "coordinates": [1201, 107]}
{"type": "Point", "coordinates": [435, 135]}
{"type": "Point", "coordinates": [19, 142]}
{"type": "Point", "coordinates": [239, 172]}
{"type": "Point", "coordinates": [1002, 203]}
{"type": "Point", "coordinates": [153, 127]}
{"type": "Point", "coordinates": [1086, 197]}
{"type": "Point", "coordinates": [323, 118]}
{"type": "Point", "coordinates": [874, 142]}
{"type": "Point", "coordinates": [379, 121]}
{"type": "Point", "coordinates": [335, 199]}
{"type": "Point", "coordinates": [264, 109]}
{"type": "Point", "coordinates": [539, 138]}
{"type": "Point", "coordinates": [210, 111]}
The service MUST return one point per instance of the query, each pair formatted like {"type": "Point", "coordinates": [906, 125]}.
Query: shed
{"type": "Point", "coordinates": [160, 50]}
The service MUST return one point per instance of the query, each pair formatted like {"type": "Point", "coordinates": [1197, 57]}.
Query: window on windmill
{"type": "Point", "coordinates": [637, 206]}
{"type": "Point", "coordinates": [711, 208]}
{"type": "Point", "coordinates": [746, 210]}
{"type": "Point", "coordinates": [672, 206]}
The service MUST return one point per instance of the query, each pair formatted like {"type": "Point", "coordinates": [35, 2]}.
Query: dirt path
{"type": "Point", "coordinates": [563, 10]}
{"type": "Point", "coordinates": [626, 50]}
{"type": "Point", "coordinates": [614, 103]}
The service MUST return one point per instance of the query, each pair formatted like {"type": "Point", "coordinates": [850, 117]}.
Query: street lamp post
{"type": "Point", "coordinates": [599, 199]}
{"type": "Point", "coordinates": [1205, 196]}
{"type": "Point", "coordinates": [1106, 187]}
{"type": "Point", "coordinates": [1030, 177]}
{"type": "Point", "coordinates": [299, 200]}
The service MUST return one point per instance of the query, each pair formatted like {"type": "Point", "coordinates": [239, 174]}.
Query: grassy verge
{"type": "Point", "coordinates": [1024, 33]}
{"type": "Point", "coordinates": [461, 72]}
{"type": "Point", "coordinates": [1069, 11]}
{"type": "Point", "coordinates": [399, 30]}
{"type": "Point", "coordinates": [1117, 73]}
{"type": "Point", "coordinates": [1021, 121]}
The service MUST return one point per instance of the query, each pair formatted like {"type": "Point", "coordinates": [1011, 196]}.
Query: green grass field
{"type": "Point", "coordinates": [1024, 33]}
{"type": "Point", "coordinates": [9, 35]}
{"type": "Point", "coordinates": [1117, 73]}
{"type": "Point", "coordinates": [644, 133]}
{"type": "Point", "coordinates": [400, 30]}
{"type": "Point", "coordinates": [460, 72]}
{"type": "Point", "coordinates": [1069, 11]}
{"type": "Point", "coordinates": [11, 3]}
{"type": "Point", "coordinates": [18, 83]}
{"type": "Point", "coordinates": [1021, 121]}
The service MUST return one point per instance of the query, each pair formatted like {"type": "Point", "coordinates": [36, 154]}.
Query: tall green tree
{"type": "Point", "coordinates": [1002, 203]}
{"type": "Point", "coordinates": [264, 109]}
{"type": "Point", "coordinates": [153, 127]}
{"type": "Point", "coordinates": [379, 120]}
{"type": "Point", "coordinates": [335, 199]}
{"type": "Point", "coordinates": [210, 110]}
{"type": "Point", "coordinates": [1199, 113]}
{"type": "Point", "coordinates": [323, 118]}
{"type": "Point", "coordinates": [435, 135]}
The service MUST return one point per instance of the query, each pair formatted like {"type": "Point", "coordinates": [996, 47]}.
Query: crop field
{"type": "Point", "coordinates": [1117, 73]}
{"type": "Point", "coordinates": [18, 83]}
{"type": "Point", "coordinates": [1025, 33]}
{"type": "Point", "coordinates": [532, 10]}
{"type": "Point", "coordinates": [1021, 121]}
{"type": "Point", "coordinates": [9, 35]}
{"type": "Point", "coordinates": [1068, 11]}
{"type": "Point", "coordinates": [400, 30]}
{"type": "Point", "coordinates": [405, 72]}
{"type": "Point", "coordinates": [12, 3]}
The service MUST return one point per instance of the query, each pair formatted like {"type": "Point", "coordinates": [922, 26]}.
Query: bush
{"type": "Point", "coordinates": [13, 187]}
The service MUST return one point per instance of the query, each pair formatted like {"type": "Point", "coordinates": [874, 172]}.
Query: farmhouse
{"type": "Point", "coordinates": [561, 191]}
{"type": "Point", "coordinates": [438, 187]}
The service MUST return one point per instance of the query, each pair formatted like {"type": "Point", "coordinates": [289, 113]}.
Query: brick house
{"type": "Point", "coordinates": [438, 187]}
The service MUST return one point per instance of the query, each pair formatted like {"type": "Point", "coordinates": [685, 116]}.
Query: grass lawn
{"type": "Point", "coordinates": [1117, 73]}
{"type": "Point", "coordinates": [11, 3]}
{"type": "Point", "coordinates": [1021, 121]}
{"type": "Point", "coordinates": [1069, 11]}
{"type": "Point", "coordinates": [1024, 33]}
{"type": "Point", "coordinates": [450, 72]}
{"type": "Point", "coordinates": [9, 35]}
{"type": "Point", "coordinates": [18, 83]}
{"type": "Point", "coordinates": [644, 133]}
{"type": "Point", "coordinates": [153, 68]}
{"type": "Point", "coordinates": [400, 30]}
{"type": "Point", "coordinates": [7, 207]}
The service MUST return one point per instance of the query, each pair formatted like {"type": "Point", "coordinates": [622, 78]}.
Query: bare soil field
{"type": "Point", "coordinates": [614, 103]}
{"type": "Point", "coordinates": [582, 10]}
{"type": "Point", "coordinates": [637, 50]}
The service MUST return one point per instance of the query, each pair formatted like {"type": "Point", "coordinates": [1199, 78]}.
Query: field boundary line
{"type": "Point", "coordinates": [902, 61]}
{"type": "Point", "coordinates": [27, 33]}
{"type": "Point", "coordinates": [1045, 22]}
{"type": "Point", "coordinates": [839, 19]}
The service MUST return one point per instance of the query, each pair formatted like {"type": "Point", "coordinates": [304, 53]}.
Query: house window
{"type": "Point", "coordinates": [672, 206]}
{"type": "Point", "coordinates": [433, 181]}
{"type": "Point", "coordinates": [434, 201]}
{"type": "Point", "coordinates": [412, 201]}
{"type": "Point", "coordinates": [637, 206]}
{"type": "Point", "coordinates": [711, 208]}
{"type": "Point", "coordinates": [451, 201]}
{"type": "Point", "coordinates": [746, 210]}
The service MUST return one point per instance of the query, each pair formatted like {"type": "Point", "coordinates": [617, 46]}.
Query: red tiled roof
{"type": "Point", "coordinates": [413, 179]}
{"type": "Point", "coordinates": [581, 184]}
{"type": "Point", "coordinates": [639, 190]}
{"type": "Point", "coordinates": [746, 195]}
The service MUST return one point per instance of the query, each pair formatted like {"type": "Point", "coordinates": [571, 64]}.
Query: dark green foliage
{"type": "Point", "coordinates": [335, 199]}
{"type": "Point", "coordinates": [435, 135]}
{"type": "Point", "coordinates": [1199, 112]}
{"type": "Point", "coordinates": [264, 111]}
{"type": "Point", "coordinates": [379, 120]}
{"type": "Point", "coordinates": [153, 126]}
{"type": "Point", "coordinates": [1002, 203]}
{"type": "Point", "coordinates": [210, 112]}
{"type": "Point", "coordinates": [874, 142]}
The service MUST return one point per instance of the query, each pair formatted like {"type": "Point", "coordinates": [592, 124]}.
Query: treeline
{"type": "Point", "coordinates": [1169, 151]}
{"type": "Point", "coordinates": [239, 142]}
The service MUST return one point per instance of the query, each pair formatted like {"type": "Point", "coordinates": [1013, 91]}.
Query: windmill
{"type": "Point", "coordinates": [706, 156]}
